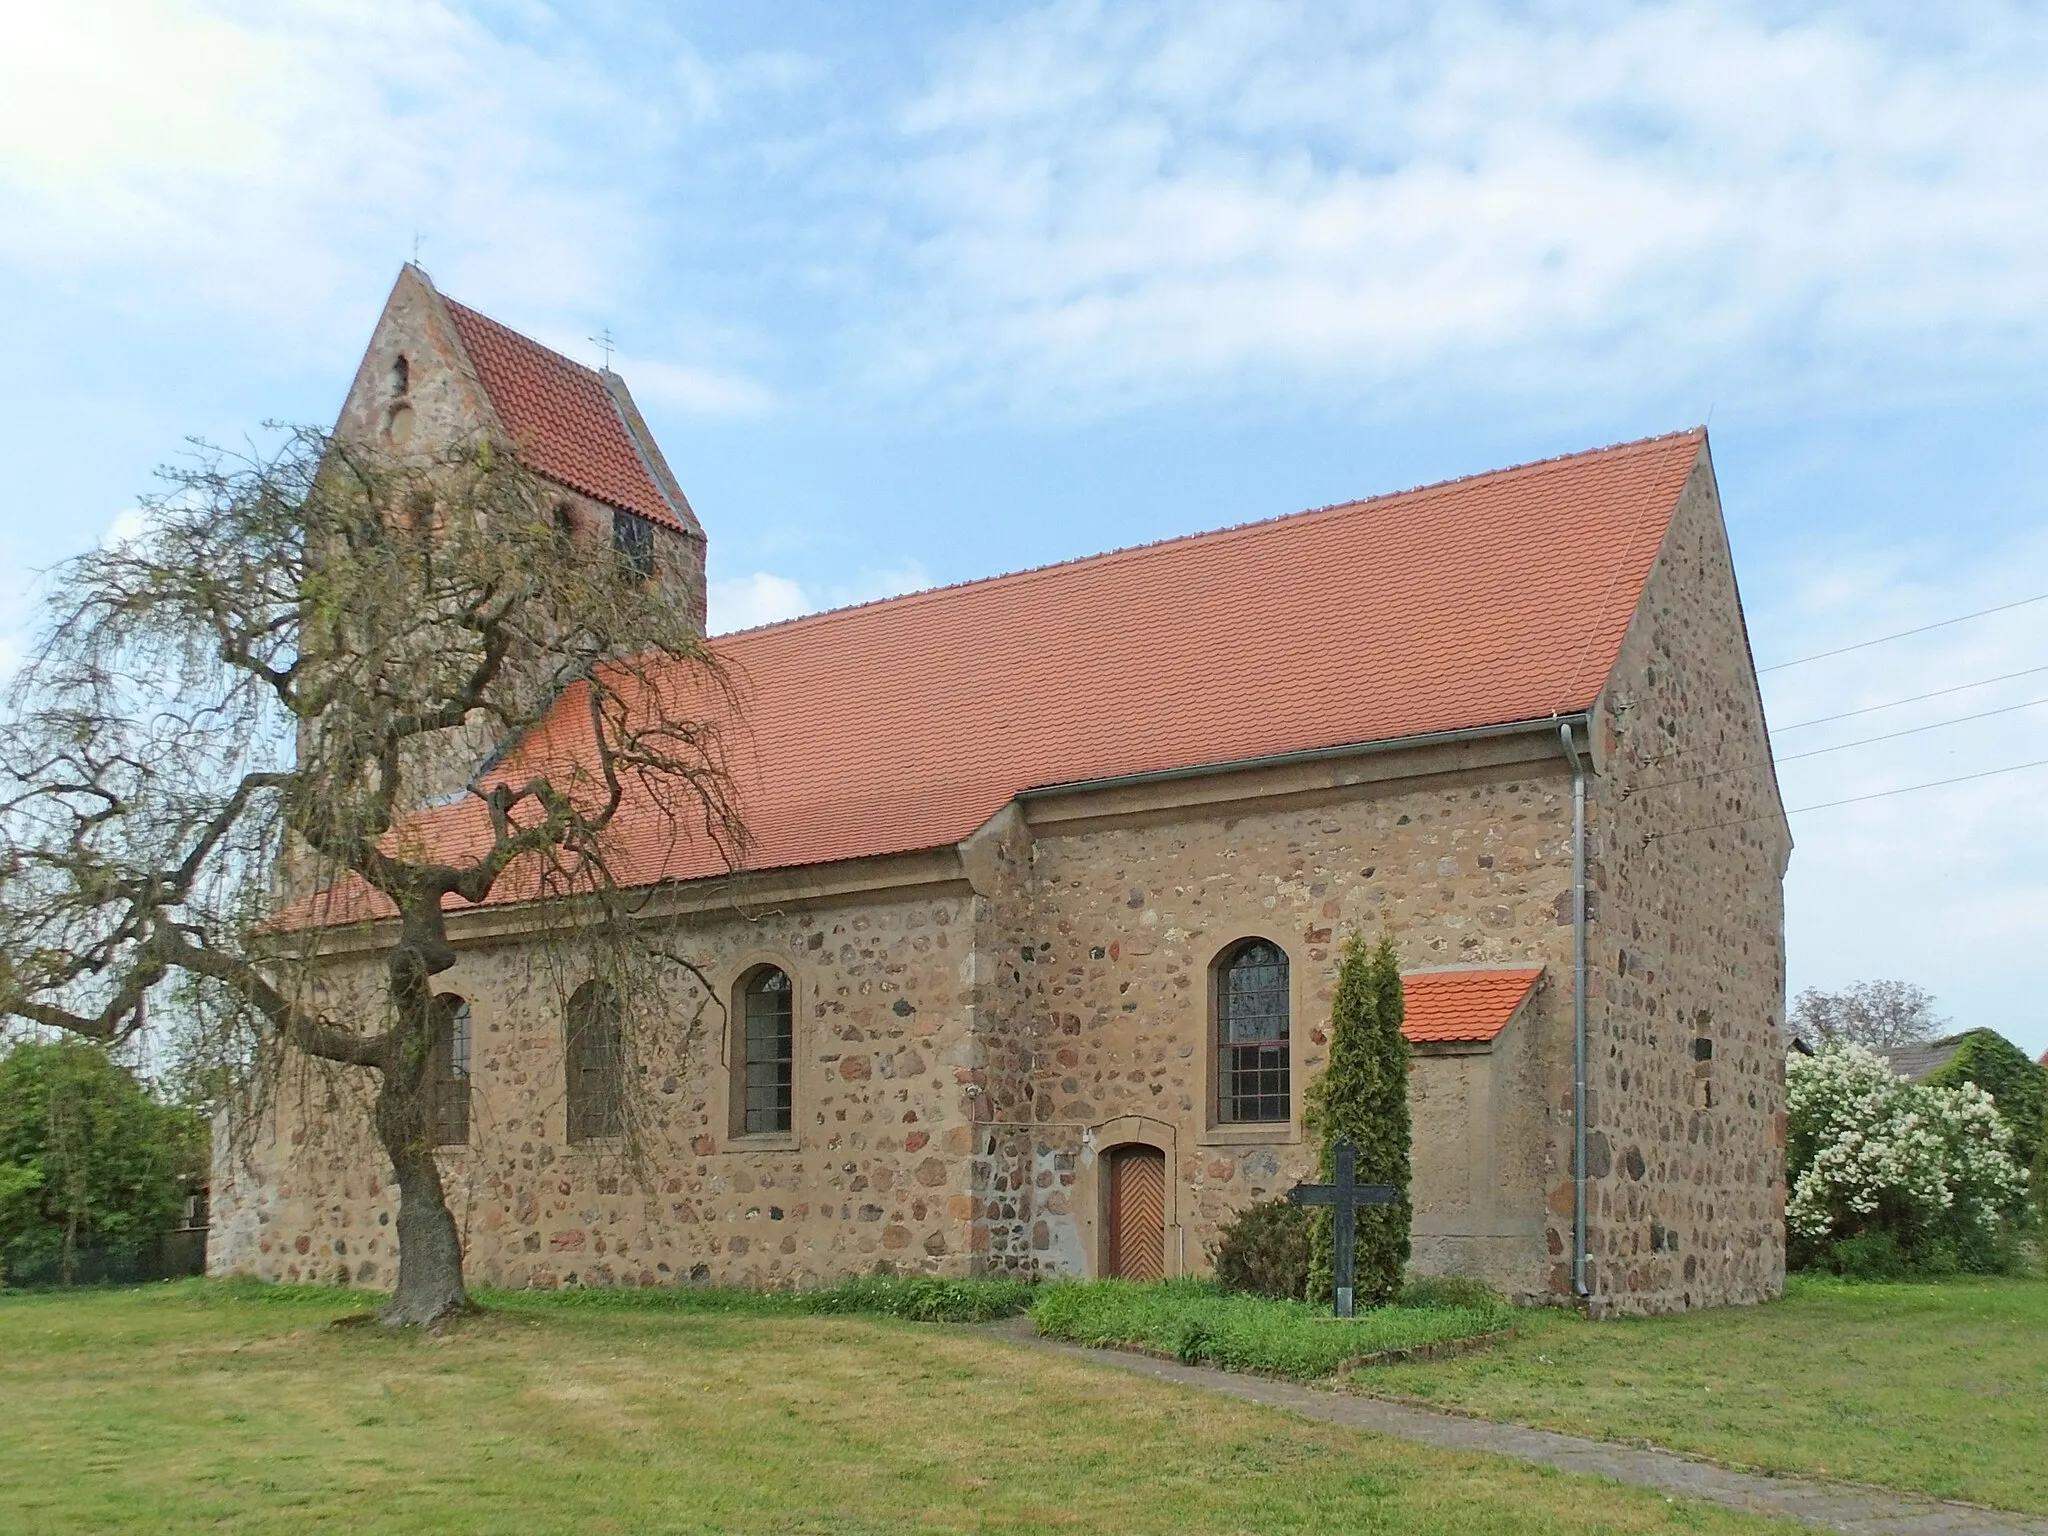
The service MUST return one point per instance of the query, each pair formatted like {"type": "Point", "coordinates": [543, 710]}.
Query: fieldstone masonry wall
{"type": "Point", "coordinates": [874, 1171]}
{"type": "Point", "coordinates": [1687, 955]}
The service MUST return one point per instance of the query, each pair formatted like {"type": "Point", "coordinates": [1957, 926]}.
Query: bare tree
{"type": "Point", "coordinates": [221, 744]}
{"type": "Point", "coordinates": [1878, 1014]}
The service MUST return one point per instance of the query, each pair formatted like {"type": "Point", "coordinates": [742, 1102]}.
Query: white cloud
{"type": "Point", "coordinates": [765, 598]}
{"type": "Point", "coordinates": [694, 391]}
{"type": "Point", "coordinates": [1149, 198]}
{"type": "Point", "coordinates": [257, 158]}
{"type": "Point", "coordinates": [127, 527]}
{"type": "Point", "coordinates": [745, 602]}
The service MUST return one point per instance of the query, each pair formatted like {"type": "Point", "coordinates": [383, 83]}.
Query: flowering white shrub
{"type": "Point", "coordinates": [1871, 1152]}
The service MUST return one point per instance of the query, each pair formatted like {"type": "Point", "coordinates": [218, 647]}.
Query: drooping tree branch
{"type": "Point", "coordinates": [253, 709]}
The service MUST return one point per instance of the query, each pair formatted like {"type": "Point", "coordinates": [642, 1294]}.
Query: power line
{"type": "Point", "coordinates": [1828, 805]}
{"type": "Point", "coordinates": [1911, 730]}
{"type": "Point", "coordinates": [1800, 661]}
{"type": "Point", "coordinates": [1840, 746]}
{"type": "Point", "coordinates": [1871, 709]}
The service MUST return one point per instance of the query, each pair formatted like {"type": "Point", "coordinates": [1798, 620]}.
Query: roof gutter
{"type": "Point", "coordinates": [1571, 751]}
{"type": "Point", "coordinates": [1543, 725]}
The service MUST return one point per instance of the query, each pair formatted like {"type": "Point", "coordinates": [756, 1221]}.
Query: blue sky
{"type": "Point", "coordinates": [919, 293]}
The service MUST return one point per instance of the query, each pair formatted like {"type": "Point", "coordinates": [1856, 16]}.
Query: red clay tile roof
{"type": "Point", "coordinates": [906, 724]}
{"type": "Point", "coordinates": [1463, 1005]}
{"type": "Point", "coordinates": [561, 416]}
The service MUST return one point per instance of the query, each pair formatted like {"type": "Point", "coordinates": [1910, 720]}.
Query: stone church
{"type": "Point", "coordinates": [1031, 961]}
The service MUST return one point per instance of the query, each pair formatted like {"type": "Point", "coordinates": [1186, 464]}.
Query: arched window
{"type": "Point", "coordinates": [451, 1071]}
{"type": "Point", "coordinates": [1251, 1033]}
{"type": "Point", "coordinates": [401, 376]}
{"type": "Point", "coordinates": [633, 543]}
{"type": "Point", "coordinates": [767, 1053]}
{"type": "Point", "coordinates": [595, 1061]}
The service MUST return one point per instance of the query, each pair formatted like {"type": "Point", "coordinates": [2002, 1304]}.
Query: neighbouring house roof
{"type": "Point", "coordinates": [906, 724]}
{"type": "Point", "coordinates": [570, 422]}
{"type": "Point", "coordinates": [1445, 1006]}
{"type": "Point", "coordinates": [1921, 1060]}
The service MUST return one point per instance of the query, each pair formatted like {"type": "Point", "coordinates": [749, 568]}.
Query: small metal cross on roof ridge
{"type": "Point", "coordinates": [1346, 1195]}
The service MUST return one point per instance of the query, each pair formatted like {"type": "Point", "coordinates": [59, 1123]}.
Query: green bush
{"type": "Point", "coordinates": [1362, 1098]}
{"type": "Point", "coordinates": [1197, 1322]}
{"type": "Point", "coordinates": [1868, 1153]}
{"type": "Point", "coordinates": [1264, 1250]}
{"type": "Point", "coordinates": [93, 1171]}
{"type": "Point", "coordinates": [1873, 1256]}
{"type": "Point", "coordinates": [1452, 1291]}
{"type": "Point", "coordinates": [2017, 1083]}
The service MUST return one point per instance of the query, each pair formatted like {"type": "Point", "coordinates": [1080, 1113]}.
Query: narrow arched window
{"type": "Point", "coordinates": [633, 543]}
{"type": "Point", "coordinates": [768, 1052]}
{"type": "Point", "coordinates": [401, 377]}
{"type": "Point", "coordinates": [595, 1061]}
{"type": "Point", "coordinates": [451, 1071]}
{"type": "Point", "coordinates": [1252, 1080]}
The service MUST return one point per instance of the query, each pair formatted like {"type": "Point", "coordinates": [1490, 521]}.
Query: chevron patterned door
{"type": "Point", "coordinates": [1137, 1213]}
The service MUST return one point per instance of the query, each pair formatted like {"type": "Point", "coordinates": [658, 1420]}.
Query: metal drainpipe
{"type": "Point", "coordinates": [1571, 752]}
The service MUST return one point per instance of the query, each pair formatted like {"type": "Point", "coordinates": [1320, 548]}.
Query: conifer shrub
{"type": "Point", "coordinates": [1362, 1098]}
{"type": "Point", "coordinates": [1264, 1251]}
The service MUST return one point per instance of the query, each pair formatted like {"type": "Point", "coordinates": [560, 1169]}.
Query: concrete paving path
{"type": "Point", "coordinates": [1850, 1507]}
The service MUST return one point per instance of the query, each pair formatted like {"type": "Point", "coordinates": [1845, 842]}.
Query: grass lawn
{"type": "Point", "coordinates": [191, 1407]}
{"type": "Point", "coordinates": [1941, 1388]}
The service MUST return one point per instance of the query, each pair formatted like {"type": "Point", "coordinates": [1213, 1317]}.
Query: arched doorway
{"type": "Point", "coordinates": [1135, 1242]}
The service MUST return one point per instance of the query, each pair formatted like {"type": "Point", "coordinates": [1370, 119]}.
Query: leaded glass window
{"type": "Point", "coordinates": [595, 1055]}
{"type": "Point", "coordinates": [769, 1023]}
{"type": "Point", "coordinates": [451, 1072]}
{"type": "Point", "coordinates": [1251, 1034]}
{"type": "Point", "coordinates": [633, 543]}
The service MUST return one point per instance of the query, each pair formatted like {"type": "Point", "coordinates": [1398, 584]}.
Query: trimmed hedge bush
{"type": "Point", "coordinates": [1197, 1322]}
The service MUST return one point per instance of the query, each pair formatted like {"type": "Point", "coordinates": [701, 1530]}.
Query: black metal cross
{"type": "Point", "coordinates": [1347, 1195]}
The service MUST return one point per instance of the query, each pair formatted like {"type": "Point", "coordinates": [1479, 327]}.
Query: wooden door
{"type": "Point", "coordinates": [1136, 1245]}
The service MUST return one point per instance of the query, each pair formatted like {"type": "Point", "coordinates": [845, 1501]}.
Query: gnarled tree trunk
{"type": "Point", "coordinates": [429, 1288]}
{"type": "Point", "coordinates": [430, 1285]}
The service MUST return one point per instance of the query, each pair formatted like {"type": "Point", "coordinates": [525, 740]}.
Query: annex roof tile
{"type": "Point", "coordinates": [1446, 1006]}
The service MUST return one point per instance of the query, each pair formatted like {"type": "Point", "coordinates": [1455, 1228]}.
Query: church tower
{"type": "Point", "coordinates": [438, 374]}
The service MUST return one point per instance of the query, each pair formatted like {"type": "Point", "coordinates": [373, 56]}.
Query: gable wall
{"type": "Point", "coordinates": [1687, 943]}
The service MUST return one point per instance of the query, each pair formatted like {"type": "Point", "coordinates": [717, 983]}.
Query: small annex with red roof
{"type": "Point", "coordinates": [1027, 961]}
